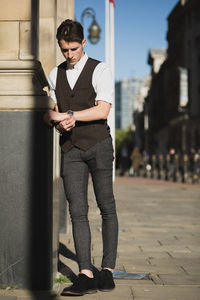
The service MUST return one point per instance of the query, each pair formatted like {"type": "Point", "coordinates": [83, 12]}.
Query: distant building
{"type": "Point", "coordinates": [139, 118]}
{"type": "Point", "coordinates": [156, 59]}
{"type": "Point", "coordinates": [139, 98]}
{"type": "Point", "coordinates": [155, 109]}
{"type": "Point", "coordinates": [125, 93]}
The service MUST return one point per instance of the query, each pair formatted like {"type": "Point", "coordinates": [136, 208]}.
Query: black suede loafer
{"type": "Point", "coordinates": [106, 282]}
{"type": "Point", "coordinates": [83, 285]}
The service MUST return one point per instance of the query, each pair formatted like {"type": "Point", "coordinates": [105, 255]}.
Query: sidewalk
{"type": "Point", "coordinates": [159, 234]}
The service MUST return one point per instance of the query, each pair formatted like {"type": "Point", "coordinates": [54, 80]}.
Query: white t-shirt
{"type": "Point", "coordinates": [101, 80]}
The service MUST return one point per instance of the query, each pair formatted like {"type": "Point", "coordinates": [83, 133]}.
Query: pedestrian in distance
{"type": "Point", "coordinates": [82, 90]}
{"type": "Point", "coordinates": [136, 158]}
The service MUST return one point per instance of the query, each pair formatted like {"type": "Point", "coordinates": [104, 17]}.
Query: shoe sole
{"type": "Point", "coordinates": [91, 292]}
{"type": "Point", "coordinates": [78, 294]}
{"type": "Point", "coordinates": [106, 290]}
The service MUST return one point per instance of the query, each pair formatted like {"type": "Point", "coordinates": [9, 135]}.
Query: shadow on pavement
{"type": "Point", "coordinates": [65, 270]}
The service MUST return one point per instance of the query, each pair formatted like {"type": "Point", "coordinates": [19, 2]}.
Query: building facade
{"type": "Point", "coordinates": [173, 102]}
{"type": "Point", "coordinates": [139, 119]}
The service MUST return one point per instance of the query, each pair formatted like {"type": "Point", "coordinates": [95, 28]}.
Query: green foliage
{"type": "Point", "coordinates": [9, 287]}
{"type": "Point", "coordinates": [61, 279]}
{"type": "Point", "coordinates": [123, 137]}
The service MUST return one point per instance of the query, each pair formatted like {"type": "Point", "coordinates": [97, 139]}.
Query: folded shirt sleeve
{"type": "Point", "coordinates": [103, 83]}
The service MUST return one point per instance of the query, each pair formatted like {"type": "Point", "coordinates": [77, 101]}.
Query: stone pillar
{"type": "Point", "coordinates": [26, 177]}
{"type": "Point", "coordinates": [29, 153]}
{"type": "Point", "coordinates": [26, 153]}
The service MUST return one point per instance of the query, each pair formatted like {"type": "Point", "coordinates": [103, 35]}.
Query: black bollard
{"type": "Point", "coordinates": [185, 168]}
{"type": "Point", "coordinates": [176, 168]}
{"type": "Point", "coordinates": [153, 167]}
{"type": "Point", "coordinates": [144, 166]}
{"type": "Point", "coordinates": [195, 169]}
{"type": "Point", "coordinates": [167, 167]}
{"type": "Point", "coordinates": [160, 167]}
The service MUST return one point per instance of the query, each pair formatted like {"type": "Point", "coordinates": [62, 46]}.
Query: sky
{"type": "Point", "coordinates": [139, 26]}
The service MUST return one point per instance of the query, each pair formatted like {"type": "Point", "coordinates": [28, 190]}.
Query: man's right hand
{"type": "Point", "coordinates": [66, 125]}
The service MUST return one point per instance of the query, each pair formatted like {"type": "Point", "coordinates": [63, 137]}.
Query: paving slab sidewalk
{"type": "Point", "coordinates": [159, 234]}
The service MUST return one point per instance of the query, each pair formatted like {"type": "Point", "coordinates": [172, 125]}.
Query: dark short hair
{"type": "Point", "coordinates": [70, 31]}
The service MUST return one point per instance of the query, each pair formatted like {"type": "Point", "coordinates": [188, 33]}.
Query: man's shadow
{"type": "Point", "coordinates": [62, 268]}
{"type": "Point", "coordinates": [65, 270]}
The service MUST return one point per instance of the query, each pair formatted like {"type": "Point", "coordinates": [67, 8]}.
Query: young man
{"type": "Point", "coordinates": [82, 90]}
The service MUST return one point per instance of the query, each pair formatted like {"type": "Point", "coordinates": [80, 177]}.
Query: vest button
{"type": "Point", "coordinates": [72, 95]}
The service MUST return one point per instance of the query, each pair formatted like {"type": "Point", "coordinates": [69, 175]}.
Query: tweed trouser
{"type": "Point", "coordinates": [75, 167]}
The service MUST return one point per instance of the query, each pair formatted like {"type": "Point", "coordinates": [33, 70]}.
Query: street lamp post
{"type": "Point", "coordinates": [94, 36]}
{"type": "Point", "coordinates": [94, 29]}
